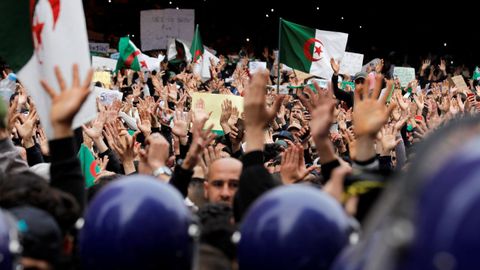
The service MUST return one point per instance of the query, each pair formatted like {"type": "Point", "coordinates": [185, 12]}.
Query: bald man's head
{"type": "Point", "coordinates": [222, 180]}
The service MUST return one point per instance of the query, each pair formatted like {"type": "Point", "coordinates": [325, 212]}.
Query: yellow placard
{"type": "Point", "coordinates": [213, 103]}
{"type": "Point", "coordinates": [104, 77]}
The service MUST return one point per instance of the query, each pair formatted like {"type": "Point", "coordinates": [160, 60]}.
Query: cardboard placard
{"type": "Point", "coordinates": [157, 26]}
{"type": "Point", "coordinates": [213, 103]}
{"type": "Point", "coordinates": [459, 82]}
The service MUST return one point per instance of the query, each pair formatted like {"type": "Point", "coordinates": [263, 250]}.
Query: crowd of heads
{"type": "Point", "coordinates": [290, 181]}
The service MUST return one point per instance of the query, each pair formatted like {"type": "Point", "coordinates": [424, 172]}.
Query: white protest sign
{"type": "Point", "coordinates": [157, 26]}
{"type": "Point", "coordinates": [103, 63]}
{"type": "Point", "coordinates": [99, 47]}
{"type": "Point", "coordinates": [107, 96]}
{"type": "Point", "coordinates": [255, 66]}
{"type": "Point", "coordinates": [404, 75]}
{"type": "Point", "coordinates": [351, 63]}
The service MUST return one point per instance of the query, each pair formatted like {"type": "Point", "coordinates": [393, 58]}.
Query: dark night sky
{"type": "Point", "coordinates": [403, 27]}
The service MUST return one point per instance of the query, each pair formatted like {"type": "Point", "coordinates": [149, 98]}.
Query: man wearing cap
{"type": "Point", "coordinates": [294, 128]}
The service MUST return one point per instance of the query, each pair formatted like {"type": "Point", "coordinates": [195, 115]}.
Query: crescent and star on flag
{"type": "Point", "coordinates": [317, 51]}
{"type": "Point", "coordinates": [197, 56]}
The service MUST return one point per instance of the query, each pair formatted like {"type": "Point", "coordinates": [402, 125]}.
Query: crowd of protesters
{"type": "Point", "coordinates": [314, 162]}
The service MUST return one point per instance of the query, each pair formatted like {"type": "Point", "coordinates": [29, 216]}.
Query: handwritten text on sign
{"type": "Point", "coordinates": [351, 63]}
{"type": "Point", "coordinates": [404, 75]}
{"type": "Point", "coordinates": [157, 26]}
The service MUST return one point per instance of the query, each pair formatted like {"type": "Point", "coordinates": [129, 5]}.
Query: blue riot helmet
{"type": "Point", "coordinates": [292, 227]}
{"type": "Point", "coordinates": [138, 222]}
{"type": "Point", "coordinates": [426, 219]}
{"type": "Point", "coordinates": [10, 247]}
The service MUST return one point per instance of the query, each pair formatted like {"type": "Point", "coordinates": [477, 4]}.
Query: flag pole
{"type": "Point", "coordinates": [194, 36]}
{"type": "Point", "coordinates": [278, 56]}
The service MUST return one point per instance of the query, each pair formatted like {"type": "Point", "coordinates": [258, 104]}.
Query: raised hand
{"type": "Point", "coordinates": [156, 152]}
{"type": "Point", "coordinates": [387, 140]}
{"type": "Point", "coordinates": [256, 114]}
{"type": "Point", "coordinates": [349, 136]}
{"type": "Point", "coordinates": [293, 167]}
{"type": "Point", "coordinates": [94, 130]}
{"type": "Point", "coordinates": [199, 112]}
{"type": "Point", "coordinates": [25, 129]}
{"type": "Point", "coordinates": [136, 90]}
{"type": "Point", "coordinates": [419, 100]}
{"type": "Point", "coordinates": [210, 154]}
{"type": "Point", "coordinates": [43, 142]}
{"type": "Point", "coordinates": [379, 66]}
{"type": "Point", "coordinates": [67, 103]}
{"type": "Point", "coordinates": [370, 114]}
{"type": "Point", "coordinates": [335, 66]}
{"type": "Point", "coordinates": [454, 108]}
{"type": "Point", "coordinates": [400, 101]}
{"type": "Point", "coordinates": [127, 148]}
{"type": "Point", "coordinates": [234, 116]}
{"type": "Point", "coordinates": [320, 106]}
{"type": "Point", "coordinates": [181, 123]}
{"type": "Point", "coordinates": [235, 138]}
{"type": "Point", "coordinates": [225, 116]}
{"type": "Point", "coordinates": [22, 95]}
{"type": "Point", "coordinates": [425, 64]}
{"type": "Point", "coordinates": [200, 140]}
{"type": "Point", "coordinates": [443, 66]}
{"type": "Point", "coordinates": [144, 124]}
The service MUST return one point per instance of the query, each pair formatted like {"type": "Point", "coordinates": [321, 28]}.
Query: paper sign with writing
{"type": "Point", "coordinates": [213, 103]}
{"type": "Point", "coordinates": [107, 96]}
{"type": "Point", "coordinates": [157, 26]}
{"type": "Point", "coordinates": [254, 66]}
{"type": "Point", "coordinates": [99, 47]}
{"type": "Point", "coordinates": [404, 75]}
{"type": "Point", "coordinates": [459, 82]}
{"type": "Point", "coordinates": [351, 63]}
{"type": "Point", "coordinates": [103, 63]}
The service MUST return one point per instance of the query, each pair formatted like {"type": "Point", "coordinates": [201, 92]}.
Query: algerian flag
{"type": "Point", "coordinates": [309, 50]}
{"type": "Point", "coordinates": [38, 35]}
{"type": "Point", "coordinates": [131, 57]}
{"type": "Point", "coordinates": [201, 57]}
{"type": "Point", "coordinates": [88, 164]}
{"type": "Point", "coordinates": [476, 74]}
{"type": "Point", "coordinates": [196, 50]}
{"type": "Point", "coordinates": [178, 51]}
